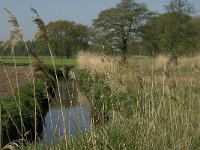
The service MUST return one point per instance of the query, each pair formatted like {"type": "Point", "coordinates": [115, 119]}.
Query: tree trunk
{"type": "Point", "coordinates": [124, 50]}
{"type": "Point", "coordinates": [67, 52]}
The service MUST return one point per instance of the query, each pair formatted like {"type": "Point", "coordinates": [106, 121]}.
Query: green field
{"type": "Point", "coordinates": [46, 60]}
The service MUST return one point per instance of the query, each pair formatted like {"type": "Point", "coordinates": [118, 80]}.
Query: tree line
{"type": "Point", "coordinates": [127, 28]}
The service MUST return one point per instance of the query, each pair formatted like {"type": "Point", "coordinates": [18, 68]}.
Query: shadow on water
{"type": "Point", "coordinates": [68, 113]}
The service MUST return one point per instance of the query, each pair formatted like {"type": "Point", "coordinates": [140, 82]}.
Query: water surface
{"type": "Point", "coordinates": [69, 113]}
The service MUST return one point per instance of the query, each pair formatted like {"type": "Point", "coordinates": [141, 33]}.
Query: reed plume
{"type": "Point", "coordinates": [42, 31]}
{"type": "Point", "coordinates": [15, 34]}
{"type": "Point", "coordinates": [12, 19]}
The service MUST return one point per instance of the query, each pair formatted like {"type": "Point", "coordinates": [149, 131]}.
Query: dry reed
{"type": "Point", "coordinates": [42, 33]}
{"type": "Point", "coordinates": [14, 38]}
{"type": "Point", "coordinates": [165, 108]}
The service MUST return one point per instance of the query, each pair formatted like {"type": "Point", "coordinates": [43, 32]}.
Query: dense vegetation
{"type": "Point", "coordinates": [144, 103]}
{"type": "Point", "coordinates": [20, 111]}
{"type": "Point", "coordinates": [24, 108]}
{"type": "Point", "coordinates": [128, 27]}
{"type": "Point", "coordinates": [148, 106]}
{"type": "Point", "coordinates": [139, 106]}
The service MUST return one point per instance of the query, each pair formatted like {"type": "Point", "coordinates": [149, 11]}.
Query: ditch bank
{"type": "Point", "coordinates": [102, 99]}
{"type": "Point", "coordinates": [110, 110]}
{"type": "Point", "coordinates": [23, 111]}
{"type": "Point", "coordinates": [110, 113]}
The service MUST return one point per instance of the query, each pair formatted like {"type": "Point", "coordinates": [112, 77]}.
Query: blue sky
{"type": "Point", "coordinates": [80, 11]}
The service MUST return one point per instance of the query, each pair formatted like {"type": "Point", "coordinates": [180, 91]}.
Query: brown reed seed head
{"type": "Point", "coordinates": [12, 19]}
{"type": "Point", "coordinates": [15, 34]}
{"type": "Point", "coordinates": [41, 32]}
{"type": "Point", "coordinates": [34, 11]}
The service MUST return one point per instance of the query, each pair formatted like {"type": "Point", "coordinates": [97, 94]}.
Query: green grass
{"type": "Point", "coordinates": [155, 111]}
{"type": "Point", "coordinates": [25, 102]}
{"type": "Point", "coordinates": [46, 60]}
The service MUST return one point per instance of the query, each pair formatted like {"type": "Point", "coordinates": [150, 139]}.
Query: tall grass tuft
{"type": "Point", "coordinates": [15, 35]}
{"type": "Point", "coordinates": [164, 108]}
{"type": "Point", "coordinates": [42, 33]}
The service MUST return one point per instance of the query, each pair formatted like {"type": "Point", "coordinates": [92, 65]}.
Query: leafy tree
{"type": "Point", "coordinates": [82, 36]}
{"type": "Point", "coordinates": [151, 35]}
{"type": "Point", "coordinates": [196, 31]}
{"type": "Point", "coordinates": [119, 25]}
{"type": "Point", "coordinates": [65, 37]}
{"type": "Point", "coordinates": [178, 30]}
{"type": "Point", "coordinates": [180, 7]}
{"type": "Point", "coordinates": [171, 32]}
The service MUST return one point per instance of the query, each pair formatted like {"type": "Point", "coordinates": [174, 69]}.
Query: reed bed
{"type": "Point", "coordinates": [150, 105]}
{"type": "Point", "coordinates": [166, 103]}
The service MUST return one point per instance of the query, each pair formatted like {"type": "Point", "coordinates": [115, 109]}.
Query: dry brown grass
{"type": "Point", "coordinates": [161, 61]}
{"type": "Point", "coordinates": [101, 64]}
{"type": "Point", "coordinates": [167, 104]}
{"type": "Point", "coordinates": [141, 69]}
{"type": "Point", "coordinates": [189, 62]}
{"type": "Point", "coordinates": [119, 76]}
{"type": "Point", "coordinates": [183, 61]}
{"type": "Point", "coordinates": [98, 63]}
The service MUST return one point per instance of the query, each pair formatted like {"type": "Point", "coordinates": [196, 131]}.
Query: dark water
{"type": "Point", "coordinates": [68, 113]}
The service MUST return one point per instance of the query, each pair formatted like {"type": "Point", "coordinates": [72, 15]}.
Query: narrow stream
{"type": "Point", "coordinates": [68, 113]}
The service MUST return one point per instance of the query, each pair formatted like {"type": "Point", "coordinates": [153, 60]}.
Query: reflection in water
{"type": "Point", "coordinates": [76, 112]}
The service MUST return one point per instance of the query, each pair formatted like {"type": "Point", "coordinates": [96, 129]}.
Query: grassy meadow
{"type": "Point", "coordinates": [164, 101]}
{"type": "Point", "coordinates": [143, 104]}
